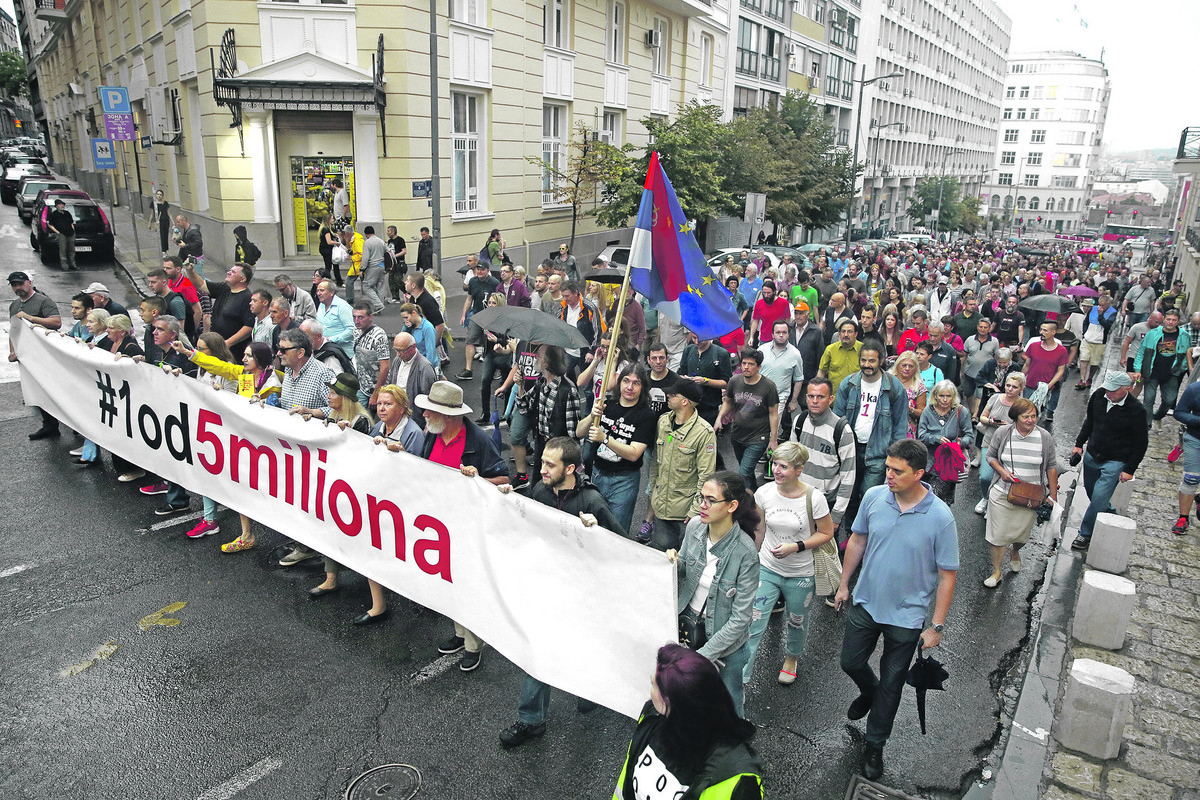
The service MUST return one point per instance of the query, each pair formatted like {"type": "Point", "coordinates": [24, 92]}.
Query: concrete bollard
{"type": "Point", "coordinates": [1102, 612]}
{"type": "Point", "coordinates": [1112, 539]}
{"type": "Point", "coordinates": [1094, 709]}
{"type": "Point", "coordinates": [1122, 496]}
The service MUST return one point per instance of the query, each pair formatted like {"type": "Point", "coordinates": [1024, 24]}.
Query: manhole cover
{"type": "Point", "coordinates": [862, 789]}
{"type": "Point", "coordinates": [391, 781]}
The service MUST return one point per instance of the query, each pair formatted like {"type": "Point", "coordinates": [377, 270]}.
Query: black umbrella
{"type": "Point", "coordinates": [928, 673]}
{"type": "Point", "coordinates": [602, 275]}
{"type": "Point", "coordinates": [495, 271]}
{"type": "Point", "coordinates": [1049, 302]}
{"type": "Point", "coordinates": [530, 325]}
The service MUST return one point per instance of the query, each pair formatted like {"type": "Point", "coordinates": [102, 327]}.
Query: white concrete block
{"type": "Point", "coordinates": [1094, 709]}
{"type": "Point", "coordinates": [1103, 610]}
{"type": "Point", "coordinates": [1112, 540]}
{"type": "Point", "coordinates": [1122, 495]}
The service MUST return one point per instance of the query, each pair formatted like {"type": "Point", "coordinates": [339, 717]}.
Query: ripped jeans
{"type": "Point", "coordinates": [798, 596]}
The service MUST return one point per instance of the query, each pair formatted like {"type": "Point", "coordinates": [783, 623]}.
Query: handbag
{"type": "Point", "coordinates": [692, 633]}
{"type": "Point", "coordinates": [827, 567]}
{"type": "Point", "coordinates": [1023, 493]}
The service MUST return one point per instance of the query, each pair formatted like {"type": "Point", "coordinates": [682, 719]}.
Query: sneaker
{"type": "Point", "coordinates": [1181, 526]}
{"type": "Point", "coordinates": [154, 488]}
{"type": "Point", "coordinates": [1080, 543]}
{"type": "Point", "coordinates": [298, 554]}
{"type": "Point", "coordinates": [520, 732]}
{"type": "Point", "coordinates": [520, 480]}
{"type": "Point", "coordinates": [470, 660]}
{"type": "Point", "coordinates": [167, 510]}
{"type": "Point", "coordinates": [975, 461]}
{"type": "Point", "coordinates": [465, 375]}
{"type": "Point", "coordinates": [981, 506]}
{"type": "Point", "coordinates": [452, 645]}
{"type": "Point", "coordinates": [130, 477]}
{"type": "Point", "coordinates": [77, 452]}
{"type": "Point", "coordinates": [645, 533]}
{"type": "Point", "coordinates": [829, 601]}
{"type": "Point", "coordinates": [207, 527]}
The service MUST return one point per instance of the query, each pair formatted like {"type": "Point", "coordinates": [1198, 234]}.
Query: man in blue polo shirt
{"type": "Point", "coordinates": [907, 543]}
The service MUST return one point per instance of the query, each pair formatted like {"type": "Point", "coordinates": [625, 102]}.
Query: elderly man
{"type": "Point", "coordinates": [102, 299]}
{"type": "Point", "coordinates": [302, 305]}
{"type": "Point", "coordinates": [840, 359]}
{"type": "Point", "coordinates": [410, 369]}
{"type": "Point", "coordinates": [944, 356]}
{"type": "Point", "coordinates": [1140, 300]}
{"type": "Point", "coordinates": [452, 440]}
{"type": "Point", "coordinates": [1097, 325]}
{"type": "Point", "coordinates": [166, 330]}
{"type": "Point", "coordinates": [835, 313]}
{"type": "Point", "coordinates": [371, 355]}
{"type": "Point", "coordinates": [231, 315]}
{"type": "Point", "coordinates": [330, 354]}
{"type": "Point", "coordinates": [38, 309]}
{"type": "Point", "coordinates": [191, 243]}
{"type": "Point", "coordinates": [336, 317]}
{"type": "Point", "coordinates": [281, 317]}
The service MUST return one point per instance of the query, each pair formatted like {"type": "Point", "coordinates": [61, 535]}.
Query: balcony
{"type": "Point", "coordinates": [747, 61]}
{"type": "Point", "coordinates": [51, 10]}
{"type": "Point", "coordinates": [1189, 143]}
{"type": "Point", "coordinates": [770, 69]}
{"type": "Point", "coordinates": [685, 8]}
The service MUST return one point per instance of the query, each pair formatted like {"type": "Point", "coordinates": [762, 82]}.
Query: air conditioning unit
{"type": "Point", "coordinates": [793, 49]}
{"type": "Point", "coordinates": [838, 18]}
{"type": "Point", "coordinates": [653, 38]}
{"type": "Point", "coordinates": [605, 136]}
{"type": "Point", "coordinates": [891, 45]}
{"type": "Point", "coordinates": [165, 114]}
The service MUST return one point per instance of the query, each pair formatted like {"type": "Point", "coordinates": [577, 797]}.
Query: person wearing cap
{"type": "Point", "coordinates": [102, 298]}
{"type": "Point", "coordinates": [803, 290]}
{"type": "Point", "coordinates": [940, 301]}
{"type": "Point", "coordinates": [806, 336]}
{"type": "Point", "coordinates": [685, 453]}
{"type": "Point", "coordinates": [62, 224]}
{"type": "Point", "coordinates": [38, 309]}
{"type": "Point", "coordinates": [453, 440]}
{"type": "Point", "coordinates": [1114, 430]}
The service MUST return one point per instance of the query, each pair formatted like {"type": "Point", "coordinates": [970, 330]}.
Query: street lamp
{"type": "Point", "coordinates": [875, 164]}
{"type": "Point", "coordinates": [863, 83]}
{"type": "Point", "coordinates": [942, 187]}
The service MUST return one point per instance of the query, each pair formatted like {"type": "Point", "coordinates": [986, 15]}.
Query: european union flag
{"type": "Point", "coordinates": [668, 268]}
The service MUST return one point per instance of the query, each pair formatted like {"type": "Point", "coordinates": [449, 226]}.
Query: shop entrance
{"type": "Point", "coordinates": [312, 150]}
{"type": "Point", "coordinates": [312, 186]}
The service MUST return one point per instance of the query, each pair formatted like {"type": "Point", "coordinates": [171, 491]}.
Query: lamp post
{"type": "Point", "coordinates": [875, 164]}
{"type": "Point", "coordinates": [863, 83]}
{"type": "Point", "coordinates": [942, 187]}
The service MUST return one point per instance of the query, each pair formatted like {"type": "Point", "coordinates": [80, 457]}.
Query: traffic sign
{"type": "Point", "coordinates": [422, 188]}
{"type": "Point", "coordinates": [145, 142]}
{"type": "Point", "coordinates": [120, 127]}
{"type": "Point", "coordinates": [103, 155]}
{"type": "Point", "coordinates": [115, 100]}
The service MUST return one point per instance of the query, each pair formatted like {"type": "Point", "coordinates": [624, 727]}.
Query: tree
{"type": "Point", "coordinates": [970, 220]}
{"type": "Point", "coordinates": [590, 165]}
{"type": "Point", "coordinates": [689, 148]}
{"type": "Point", "coordinates": [925, 202]}
{"type": "Point", "coordinates": [14, 79]}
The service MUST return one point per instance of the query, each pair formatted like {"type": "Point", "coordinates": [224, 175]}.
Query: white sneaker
{"type": "Point", "coordinates": [130, 477]}
{"type": "Point", "coordinates": [78, 451]}
{"type": "Point", "coordinates": [975, 461]}
{"type": "Point", "coordinates": [981, 506]}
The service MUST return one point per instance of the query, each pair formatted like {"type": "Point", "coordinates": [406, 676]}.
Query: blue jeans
{"type": "Point", "coordinates": [1134, 319]}
{"type": "Point", "coordinates": [1100, 479]}
{"type": "Point", "coordinates": [90, 451]}
{"type": "Point", "coordinates": [1170, 393]}
{"type": "Point", "coordinates": [797, 598]}
{"type": "Point", "coordinates": [1051, 398]}
{"type": "Point", "coordinates": [350, 281]}
{"type": "Point", "coordinates": [868, 473]}
{"type": "Point", "coordinates": [732, 667]}
{"type": "Point", "coordinates": [861, 636]}
{"type": "Point", "coordinates": [177, 496]}
{"type": "Point", "coordinates": [620, 490]}
{"type": "Point", "coordinates": [748, 456]}
{"type": "Point", "coordinates": [534, 702]}
{"type": "Point", "coordinates": [986, 475]}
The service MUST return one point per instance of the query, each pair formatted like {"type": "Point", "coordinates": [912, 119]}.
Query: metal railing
{"type": "Point", "coordinates": [1189, 143]}
{"type": "Point", "coordinates": [1193, 238]}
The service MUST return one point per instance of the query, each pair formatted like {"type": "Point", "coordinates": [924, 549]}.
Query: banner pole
{"type": "Point", "coordinates": [614, 333]}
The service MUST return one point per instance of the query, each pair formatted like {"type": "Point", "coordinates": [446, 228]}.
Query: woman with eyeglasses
{"type": "Point", "coordinates": [718, 579]}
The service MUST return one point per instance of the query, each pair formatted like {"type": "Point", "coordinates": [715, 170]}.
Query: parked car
{"type": "Point", "coordinates": [18, 156]}
{"type": "Point", "coordinates": [616, 255]}
{"type": "Point", "coordinates": [798, 256]}
{"type": "Point", "coordinates": [717, 259]}
{"type": "Point", "coordinates": [27, 193]}
{"type": "Point", "coordinates": [93, 232]}
{"type": "Point", "coordinates": [12, 179]}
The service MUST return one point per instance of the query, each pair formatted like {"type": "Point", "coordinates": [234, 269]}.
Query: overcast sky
{"type": "Point", "coordinates": [1148, 47]}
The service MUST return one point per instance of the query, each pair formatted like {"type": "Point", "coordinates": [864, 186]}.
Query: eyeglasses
{"type": "Point", "coordinates": [287, 349]}
{"type": "Point", "coordinates": [705, 501]}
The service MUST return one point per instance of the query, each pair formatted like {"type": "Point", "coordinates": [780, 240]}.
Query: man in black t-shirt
{"type": "Point", "coordinates": [231, 315]}
{"type": "Point", "coordinates": [709, 367]}
{"type": "Point", "coordinates": [753, 403]}
{"type": "Point", "coordinates": [60, 222]}
{"type": "Point", "coordinates": [39, 309]}
{"type": "Point", "coordinates": [398, 248]}
{"type": "Point", "coordinates": [661, 379]}
{"type": "Point", "coordinates": [1010, 325]}
{"type": "Point", "coordinates": [482, 284]}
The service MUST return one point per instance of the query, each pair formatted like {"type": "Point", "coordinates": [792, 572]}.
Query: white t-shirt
{"type": "Point", "coordinates": [706, 579]}
{"type": "Point", "coordinates": [787, 521]}
{"type": "Point", "coordinates": [864, 421]}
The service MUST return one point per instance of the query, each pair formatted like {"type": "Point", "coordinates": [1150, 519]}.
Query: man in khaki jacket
{"type": "Point", "coordinates": [686, 454]}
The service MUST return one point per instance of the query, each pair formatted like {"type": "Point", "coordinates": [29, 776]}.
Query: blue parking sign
{"type": "Point", "coordinates": [114, 100]}
{"type": "Point", "coordinates": [103, 155]}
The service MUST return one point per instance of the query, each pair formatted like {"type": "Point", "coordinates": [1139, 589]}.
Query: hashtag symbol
{"type": "Point", "coordinates": [108, 398]}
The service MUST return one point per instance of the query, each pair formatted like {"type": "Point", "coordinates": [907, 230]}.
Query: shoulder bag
{"type": "Point", "coordinates": [827, 567]}
{"type": "Point", "coordinates": [1023, 493]}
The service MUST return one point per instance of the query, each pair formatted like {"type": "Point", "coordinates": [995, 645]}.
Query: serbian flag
{"type": "Point", "coordinates": [668, 268]}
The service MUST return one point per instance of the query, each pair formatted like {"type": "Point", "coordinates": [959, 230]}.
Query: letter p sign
{"type": "Point", "coordinates": [115, 100]}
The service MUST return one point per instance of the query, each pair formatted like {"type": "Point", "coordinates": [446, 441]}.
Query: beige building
{"type": "Point", "coordinates": [1185, 231]}
{"type": "Point", "coordinates": [252, 109]}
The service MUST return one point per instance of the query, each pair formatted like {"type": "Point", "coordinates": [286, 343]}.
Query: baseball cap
{"type": "Point", "coordinates": [686, 388]}
{"type": "Point", "coordinates": [17, 277]}
{"type": "Point", "coordinates": [802, 306]}
{"type": "Point", "coordinates": [1116, 380]}
{"type": "Point", "coordinates": [95, 287]}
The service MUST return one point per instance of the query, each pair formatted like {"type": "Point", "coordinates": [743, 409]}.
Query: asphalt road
{"type": "Point", "coordinates": [139, 664]}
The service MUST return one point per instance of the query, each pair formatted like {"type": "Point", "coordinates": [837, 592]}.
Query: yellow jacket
{"type": "Point", "coordinates": [236, 372]}
{"type": "Point", "coordinates": [355, 248]}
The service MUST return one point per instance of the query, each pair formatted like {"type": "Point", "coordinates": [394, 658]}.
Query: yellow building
{"type": "Point", "coordinates": [251, 109]}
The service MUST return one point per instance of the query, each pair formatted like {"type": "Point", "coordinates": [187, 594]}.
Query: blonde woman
{"type": "Point", "coordinates": [945, 421]}
{"type": "Point", "coordinates": [908, 371]}
{"type": "Point", "coordinates": [994, 417]}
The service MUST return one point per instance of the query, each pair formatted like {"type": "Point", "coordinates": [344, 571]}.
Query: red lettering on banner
{"type": "Point", "coordinates": [236, 445]}
{"type": "Point", "coordinates": [205, 436]}
{"type": "Point", "coordinates": [321, 454]}
{"type": "Point", "coordinates": [352, 527]}
{"type": "Point", "coordinates": [289, 483]}
{"type": "Point", "coordinates": [305, 461]}
{"type": "Point", "coordinates": [375, 509]}
{"type": "Point", "coordinates": [440, 545]}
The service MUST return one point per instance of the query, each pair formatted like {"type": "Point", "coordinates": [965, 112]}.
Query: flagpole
{"type": "Point", "coordinates": [614, 334]}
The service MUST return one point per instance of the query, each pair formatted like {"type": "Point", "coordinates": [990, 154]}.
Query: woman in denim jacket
{"type": "Point", "coordinates": [718, 577]}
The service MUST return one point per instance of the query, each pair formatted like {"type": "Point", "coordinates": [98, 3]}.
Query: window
{"type": "Point", "coordinates": [1008, 203]}
{"type": "Point", "coordinates": [1062, 203]}
{"type": "Point", "coordinates": [554, 23]}
{"type": "Point", "coordinates": [1008, 157]}
{"type": "Point", "coordinates": [1037, 92]}
{"type": "Point", "coordinates": [1034, 159]}
{"type": "Point", "coordinates": [1072, 137]}
{"type": "Point", "coordinates": [818, 11]}
{"type": "Point", "coordinates": [614, 46]}
{"type": "Point", "coordinates": [1008, 113]}
{"type": "Point", "coordinates": [1010, 92]}
{"type": "Point", "coordinates": [1031, 180]}
{"type": "Point", "coordinates": [1016, 68]}
{"type": "Point", "coordinates": [995, 201]}
{"type": "Point", "coordinates": [772, 46]}
{"type": "Point", "coordinates": [1021, 202]}
{"type": "Point", "coordinates": [661, 61]}
{"type": "Point", "coordinates": [852, 35]}
{"type": "Point", "coordinates": [837, 35]}
{"type": "Point", "coordinates": [770, 100]}
{"type": "Point", "coordinates": [1034, 113]}
{"type": "Point", "coordinates": [772, 8]}
{"type": "Point", "coordinates": [1024, 91]}
{"type": "Point", "coordinates": [1005, 179]}
{"type": "Point", "coordinates": [1051, 92]}
{"type": "Point", "coordinates": [1072, 159]}
{"type": "Point", "coordinates": [610, 130]}
{"type": "Point", "coordinates": [1071, 204]}
{"type": "Point", "coordinates": [1034, 204]}
{"type": "Point", "coordinates": [848, 80]}
{"type": "Point", "coordinates": [467, 174]}
{"type": "Point", "coordinates": [744, 100]}
{"type": "Point", "coordinates": [706, 59]}
{"type": "Point", "coordinates": [1037, 135]}
{"type": "Point", "coordinates": [833, 75]}
{"type": "Point", "coordinates": [747, 50]}
{"type": "Point", "coordinates": [815, 75]}
{"type": "Point", "coordinates": [468, 11]}
{"type": "Point", "coordinates": [1065, 181]}
{"type": "Point", "coordinates": [1021, 113]}
{"type": "Point", "coordinates": [554, 151]}
{"type": "Point", "coordinates": [1010, 134]}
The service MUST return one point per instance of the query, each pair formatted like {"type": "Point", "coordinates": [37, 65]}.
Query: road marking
{"type": "Point", "coordinates": [158, 618]}
{"type": "Point", "coordinates": [103, 652]}
{"type": "Point", "coordinates": [243, 780]}
{"type": "Point", "coordinates": [436, 668]}
{"type": "Point", "coordinates": [14, 570]}
{"type": "Point", "coordinates": [8, 230]}
{"type": "Point", "coordinates": [1040, 734]}
{"type": "Point", "coordinates": [169, 523]}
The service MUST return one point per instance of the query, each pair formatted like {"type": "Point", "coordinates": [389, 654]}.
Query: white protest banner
{"type": "Point", "coordinates": [583, 609]}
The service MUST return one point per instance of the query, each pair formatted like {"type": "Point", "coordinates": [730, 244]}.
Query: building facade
{"type": "Point", "coordinates": [252, 110]}
{"type": "Point", "coordinates": [16, 114]}
{"type": "Point", "coordinates": [1052, 126]}
{"type": "Point", "coordinates": [1185, 227]}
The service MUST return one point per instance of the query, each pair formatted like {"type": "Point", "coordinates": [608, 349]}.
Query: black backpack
{"type": "Point", "coordinates": [839, 428]}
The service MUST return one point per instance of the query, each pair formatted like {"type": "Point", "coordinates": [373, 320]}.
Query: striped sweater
{"type": "Point", "coordinates": [830, 467]}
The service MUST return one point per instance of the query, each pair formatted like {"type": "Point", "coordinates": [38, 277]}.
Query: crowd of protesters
{"type": "Point", "coordinates": [863, 387]}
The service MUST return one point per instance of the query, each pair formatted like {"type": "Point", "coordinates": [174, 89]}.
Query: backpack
{"type": "Point", "coordinates": [484, 257]}
{"type": "Point", "coordinates": [839, 428]}
{"type": "Point", "coordinates": [389, 260]}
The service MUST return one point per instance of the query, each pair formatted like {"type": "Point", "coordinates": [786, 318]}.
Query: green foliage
{"type": "Point", "coordinates": [590, 166]}
{"type": "Point", "coordinates": [925, 202]}
{"type": "Point", "coordinates": [970, 221]}
{"type": "Point", "coordinates": [14, 80]}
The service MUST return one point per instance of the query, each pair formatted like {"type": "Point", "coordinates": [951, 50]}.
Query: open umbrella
{"type": "Point", "coordinates": [1078, 291]}
{"type": "Point", "coordinates": [928, 673]}
{"type": "Point", "coordinates": [600, 275]}
{"type": "Point", "coordinates": [530, 325]}
{"type": "Point", "coordinates": [1049, 302]}
{"type": "Point", "coordinates": [1087, 251]}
